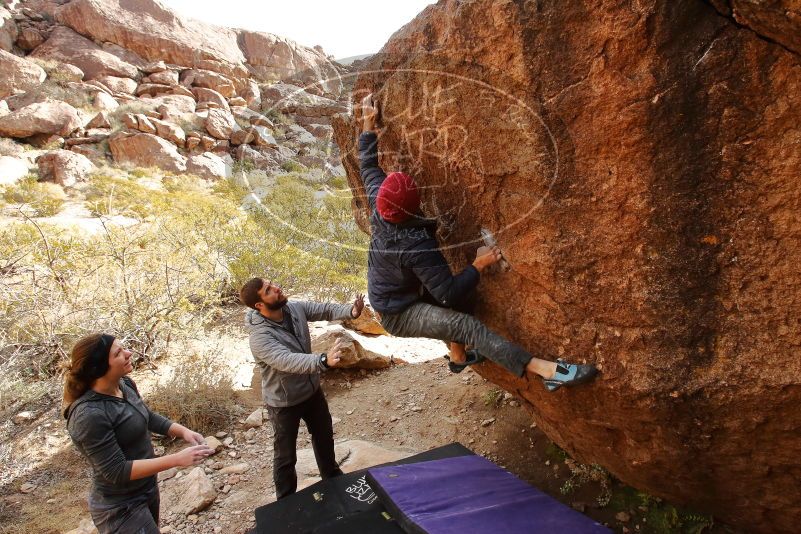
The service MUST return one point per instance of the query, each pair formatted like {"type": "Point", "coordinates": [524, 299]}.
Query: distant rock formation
{"type": "Point", "coordinates": [638, 163]}
{"type": "Point", "coordinates": [157, 33]}
{"type": "Point", "coordinates": [134, 82]}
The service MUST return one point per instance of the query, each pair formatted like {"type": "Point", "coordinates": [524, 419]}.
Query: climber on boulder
{"type": "Point", "coordinates": [411, 285]}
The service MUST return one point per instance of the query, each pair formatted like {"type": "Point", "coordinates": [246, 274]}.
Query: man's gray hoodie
{"type": "Point", "coordinates": [290, 374]}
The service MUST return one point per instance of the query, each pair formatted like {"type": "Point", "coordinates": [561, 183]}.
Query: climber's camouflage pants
{"type": "Point", "coordinates": [422, 319]}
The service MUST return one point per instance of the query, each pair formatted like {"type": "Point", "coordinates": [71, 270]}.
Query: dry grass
{"type": "Point", "coordinates": [199, 395]}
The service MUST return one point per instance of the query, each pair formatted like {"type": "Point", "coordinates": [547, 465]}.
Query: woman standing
{"type": "Point", "coordinates": [111, 425]}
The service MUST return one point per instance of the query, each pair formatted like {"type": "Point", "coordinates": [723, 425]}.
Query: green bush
{"type": "Point", "coordinates": [43, 198]}
{"type": "Point", "coordinates": [114, 195]}
{"type": "Point", "coordinates": [292, 166]}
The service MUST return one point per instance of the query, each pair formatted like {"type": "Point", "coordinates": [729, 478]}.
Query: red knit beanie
{"type": "Point", "coordinates": [398, 198]}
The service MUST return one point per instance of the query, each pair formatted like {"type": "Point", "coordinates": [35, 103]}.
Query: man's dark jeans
{"type": "Point", "coordinates": [422, 319]}
{"type": "Point", "coordinates": [286, 420]}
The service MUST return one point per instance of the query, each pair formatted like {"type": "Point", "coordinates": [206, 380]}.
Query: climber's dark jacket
{"type": "Point", "coordinates": [111, 433]}
{"type": "Point", "coordinates": [404, 259]}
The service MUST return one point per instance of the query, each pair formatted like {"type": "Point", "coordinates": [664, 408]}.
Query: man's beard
{"type": "Point", "coordinates": [277, 305]}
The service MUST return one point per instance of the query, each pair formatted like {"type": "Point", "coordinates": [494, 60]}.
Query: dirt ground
{"type": "Point", "coordinates": [410, 407]}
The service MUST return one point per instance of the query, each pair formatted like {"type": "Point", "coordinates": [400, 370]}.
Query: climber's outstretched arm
{"type": "Point", "coordinates": [372, 174]}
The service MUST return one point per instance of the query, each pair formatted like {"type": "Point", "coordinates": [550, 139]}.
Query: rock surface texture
{"type": "Point", "coordinates": [19, 74]}
{"type": "Point", "coordinates": [638, 164]}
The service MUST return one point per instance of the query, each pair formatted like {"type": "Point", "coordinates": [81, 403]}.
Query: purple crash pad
{"type": "Point", "coordinates": [470, 494]}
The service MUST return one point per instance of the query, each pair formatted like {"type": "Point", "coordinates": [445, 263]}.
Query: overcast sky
{"type": "Point", "coordinates": [343, 28]}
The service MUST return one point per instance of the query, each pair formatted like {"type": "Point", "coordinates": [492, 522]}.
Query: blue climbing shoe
{"type": "Point", "coordinates": [570, 374]}
{"type": "Point", "coordinates": [473, 357]}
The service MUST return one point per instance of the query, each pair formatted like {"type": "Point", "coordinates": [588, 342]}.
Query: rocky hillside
{"type": "Point", "coordinates": [638, 163]}
{"type": "Point", "coordinates": [133, 83]}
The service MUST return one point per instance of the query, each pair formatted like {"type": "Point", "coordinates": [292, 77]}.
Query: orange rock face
{"type": "Point", "coordinates": [638, 164]}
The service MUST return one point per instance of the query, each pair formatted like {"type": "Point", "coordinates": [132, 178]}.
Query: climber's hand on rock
{"type": "Point", "coordinates": [369, 113]}
{"type": "Point", "coordinates": [486, 256]}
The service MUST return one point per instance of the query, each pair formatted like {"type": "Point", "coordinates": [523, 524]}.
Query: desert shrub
{"type": "Point", "coordinates": [292, 166]}
{"type": "Point", "coordinates": [493, 397]}
{"type": "Point", "coordinates": [275, 116]}
{"type": "Point", "coordinates": [166, 276]}
{"type": "Point", "coordinates": [44, 199]}
{"type": "Point", "coordinates": [55, 89]}
{"type": "Point", "coordinates": [243, 165]}
{"type": "Point", "coordinates": [199, 394]}
{"type": "Point", "coordinates": [189, 122]}
{"type": "Point", "coordinates": [115, 195]}
{"type": "Point", "coordinates": [659, 516]}
{"type": "Point", "coordinates": [139, 172]}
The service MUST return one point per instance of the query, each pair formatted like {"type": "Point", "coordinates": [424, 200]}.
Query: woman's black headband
{"type": "Point", "coordinates": [97, 362]}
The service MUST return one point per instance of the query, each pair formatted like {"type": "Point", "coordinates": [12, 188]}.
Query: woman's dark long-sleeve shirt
{"type": "Point", "coordinates": [111, 433]}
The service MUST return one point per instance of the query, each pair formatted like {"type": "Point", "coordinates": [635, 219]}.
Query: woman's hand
{"type": "Point", "coordinates": [193, 438]}
{"type": "Point", "coordinates": [193, 455]}
{"type": "Point", "coordinates": [190, 436]}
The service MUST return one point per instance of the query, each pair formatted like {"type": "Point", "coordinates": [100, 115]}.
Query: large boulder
{"type": "Point", "coordinates": [64, 167]}
{"type": "Point", "coordinates": [210, 80]}
{"type": "Point", "coordinates": [49, 117]}
{"type": "Point", "coordinates": [151, 30]}
{"type": "Point", "coordinates": [18, 74]}
{"type": "Point", "coordinates": [8, 30]}
{"type": "Point", "coordinates": [29, 38]}
{"type": "Point", "coordinates": [209, 166]}
{"type": "Point", "coordinates": [175, 104]}
{"type": "Point", "coordinates": [67, 46]}
{"type": "Point", "coordinates": [220, 123]}
{"type": "Point", "coordinates": [210, 97]}
{"type": "Point", "coordinates": [146, 150]}
{"type": "Point", "coordinates": [169, 131]}
{"type": "Point", "coordinates": [164, 77]}
{"type": "Point", "coordinates": [118, 84]}
{"type": "Point", "coordinates": [278, 58]}
{"type": "Point", "coordinates": [324, 337]}
{"type": "Point", "coordinates": [645, 194]}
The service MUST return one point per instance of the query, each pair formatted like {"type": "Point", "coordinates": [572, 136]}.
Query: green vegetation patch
{"type": "Point", "coordinates": [43, 199]}
{"type": "Point", "coordinates": [659, 516]}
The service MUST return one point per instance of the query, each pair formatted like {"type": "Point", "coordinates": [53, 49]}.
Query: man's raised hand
{"type": "Point", "coordinates": [358, 306]}
{"type": "Point", "coordinates": [333, 357]}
